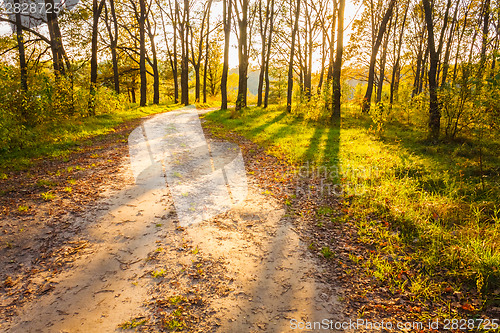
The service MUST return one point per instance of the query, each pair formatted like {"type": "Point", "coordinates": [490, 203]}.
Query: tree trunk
{"type": "Point", "coordinates": [448, 47]}
{"type": "Point", "coordinates": [378, 41]}
{"type": "Point", "coordinates": [396, 69]}
{"type": "Point", "coordinates": [308, 50]}
{"type": "Point", "coordinates": [96, 12]}
{"type": "Point", "coordinates": [132, 90]}
{"type": "Point", "coordinates": [383, 60]}
{"type": "Point", "coordinates": [142, 52]}
{"type": "Point", "coordinates": [484, 43]}
{"type": "Point", "coordinates": [416, 80]}
{"type": "Point", "coordinates": [441, 37]}
{"type": "Point", "coordinates": [323, 60]}
{"type": "Point", "coordinates": [241, 100]}
{"type": "Point", "coordinates": [337, 67]}
{"type": "Point", "coordinates": [172, 57]}
{"type": "Point", "coordinates": [263, 35]}
{"type": "Point", "coordinates": [268, 56]}
{"type": "Point", "coordinates": [423, 72]}
{"type": "Point", "coordinates": [55, 40]}
{"type": "Point", "coordinates": [455, 67]}
{"type": "Point", "coordinates": [332, 41]}
{"type": "Point", "coordinates": [205, 69]}
{"type": "Point", "coordinates": [183, 26]}
{"type": "Point", "coordinates": [226, 16]}
{"type": "Point", "coordinates": [22, 56]}
{"type": "Point", "coordinates": [290, 62]}
{"type": "Point", "coordinates": [113, 40]}
{"type": "Point", "coordinates": [434, 112]}
{"type": "Point", "coordinates": [156, 73]}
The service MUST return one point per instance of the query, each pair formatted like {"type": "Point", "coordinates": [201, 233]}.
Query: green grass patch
{"type": "Point", "coordinates": [428, 206]}
{"type": "Point", "coordinates": [157, 274]}
{"type": "Point", "coordinates": [60, 138]}
{"type": "Point", "coordinates": [136, 322]}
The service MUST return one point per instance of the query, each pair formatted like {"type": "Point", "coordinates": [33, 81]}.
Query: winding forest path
{"type": "Point", "coordinates": [154, 260]}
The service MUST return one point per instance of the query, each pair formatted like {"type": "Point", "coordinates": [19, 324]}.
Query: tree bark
{"type": "Point", "coordinates": [263, 34]}
{"type": "Point", "coordinates": [113, 40]}
{"type": "Point", "coordinates": [142, 52]}
{"type": "Point", "coordinates": [241, 100]}
{"type": "Point", "coordinates": [226, 16]}
{"type": "Point", "coordinates": [172, 57]}
{"type": "Point", "coordinates": [268, 55]}
{"type": "Point", "coordinates": [337, 67]}
{"type": "Point", "coordinates": [446, 59]}
{"type": "Point", "coordinates": [378, 41]}
{"type": "Point", "coordinates": [332, 41]}
{"type": "Point", "coordinates": [55, 40]}
{"type": "Point", "coordinates": [205, 69]}
{"type": "Point", "coordinates": [383, 60]}
{"type": "Point", "coordinates": [484, 40]}
{"type": "Point", "coordinates": [96, 12]}
{"type": "Point", "coordinates": [396, 69]}
{"type": "Point", "coordinates": [184, 36]}
{"type": "Point", "coordinates": [22, 56]}
{"type": "Point", "coordinates": [290, 62]}
{"type": "Point", "coordinates": [434, 111]}
{"type": "Point", "coordinates": [156, 73]}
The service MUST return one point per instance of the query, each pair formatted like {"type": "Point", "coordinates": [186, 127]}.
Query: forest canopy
{"type": "Point", "coordinates": [435, 60]}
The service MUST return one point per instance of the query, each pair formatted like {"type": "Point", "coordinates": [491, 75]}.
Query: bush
{"type": "Point", "coordinates": [107, 101]}
{"type": "Point", "coordinates": [47, 103]}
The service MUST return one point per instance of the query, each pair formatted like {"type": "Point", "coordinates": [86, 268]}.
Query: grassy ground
{"type": "Point", "coordinates": [431, 212]}
{"type": "Point", "coordinates": [60, 138]}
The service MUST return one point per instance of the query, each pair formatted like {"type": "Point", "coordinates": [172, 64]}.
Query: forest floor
{"type": "Point", "coordinates": [85, 248]}
{"type": "Point", "coordinates": [96, 252]}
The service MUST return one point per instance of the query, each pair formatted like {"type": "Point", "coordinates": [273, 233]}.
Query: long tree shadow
{"type": "Point", "coordinates": [265, 125]}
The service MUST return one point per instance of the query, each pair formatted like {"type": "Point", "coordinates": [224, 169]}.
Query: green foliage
{"type": "Point", "coordinates": [314, 109]}
{"type": "Point", "coordinates": [379, 115]}
{"type": "Point", "coordinates": [327, 252]}
{"type": "Point", "coordinates": [157, 274]}
{"type": "Point", "coordinates": [135, 322]}
{"type": "Point", "coordinates": [411, 197]}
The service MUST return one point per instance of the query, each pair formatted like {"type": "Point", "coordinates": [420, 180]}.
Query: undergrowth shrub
{"type": "Point", "coordinates": [47, 103]}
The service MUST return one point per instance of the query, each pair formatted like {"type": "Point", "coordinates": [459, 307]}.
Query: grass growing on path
{"type": "Point", "coordinates": [59, 139]}
{"type": "Point", "coordinates": [422, 207]}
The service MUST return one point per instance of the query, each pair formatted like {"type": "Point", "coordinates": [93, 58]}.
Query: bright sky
{"type": "Point", "coordinates": [350, 11]}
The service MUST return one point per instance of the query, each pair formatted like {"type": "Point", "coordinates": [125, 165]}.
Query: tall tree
{"type": "Point", "coordinates": [382, 62]}
{"type": "Point", "coordinates": [172, 53]}
{"type": "Point", "coordinates": [263, 23]}
{"type": "Point", "coordinates": [207, 56]}
{"type": "Point", "coordinates": [151, 31]}
{"type": "Point", "coordinates": [484, 39]}
{"type": "Point", "coordinates": [56, 45]}
{"type": "Point", "coordinates": [113, 41]}
{"type": "Point", "coordinates": [96, 13]}
{"type": "Point", "coordinates": [373, 58]}
{"type": "Point", "coordinates": [197, 53]}
{"type": "Point", "coordinates": [434, 110]}
{"type": "Point", "coordinates": [142, 52]}
{"type": "Point", "coordinates": [295, 24]}
{"type": "Point", "coordinates": [397, 68]}
{"type": "Point", "coordinates": [337, 67]}
{"type": "Point", "coordinates": [242, 18]}
{"type": "Point", "coordinates": [268, 53]}
{"type": "Point", "coordinates": [226, 17]}
{"type": "Point", "coordinates": [22, 54]}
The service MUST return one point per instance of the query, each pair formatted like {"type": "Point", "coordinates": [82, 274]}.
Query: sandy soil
{"type": "Point", "coordinates": [252, 272]}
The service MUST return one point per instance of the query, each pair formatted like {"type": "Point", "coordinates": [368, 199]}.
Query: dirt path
{"type": "Point", "coordinates": [243, 269]}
